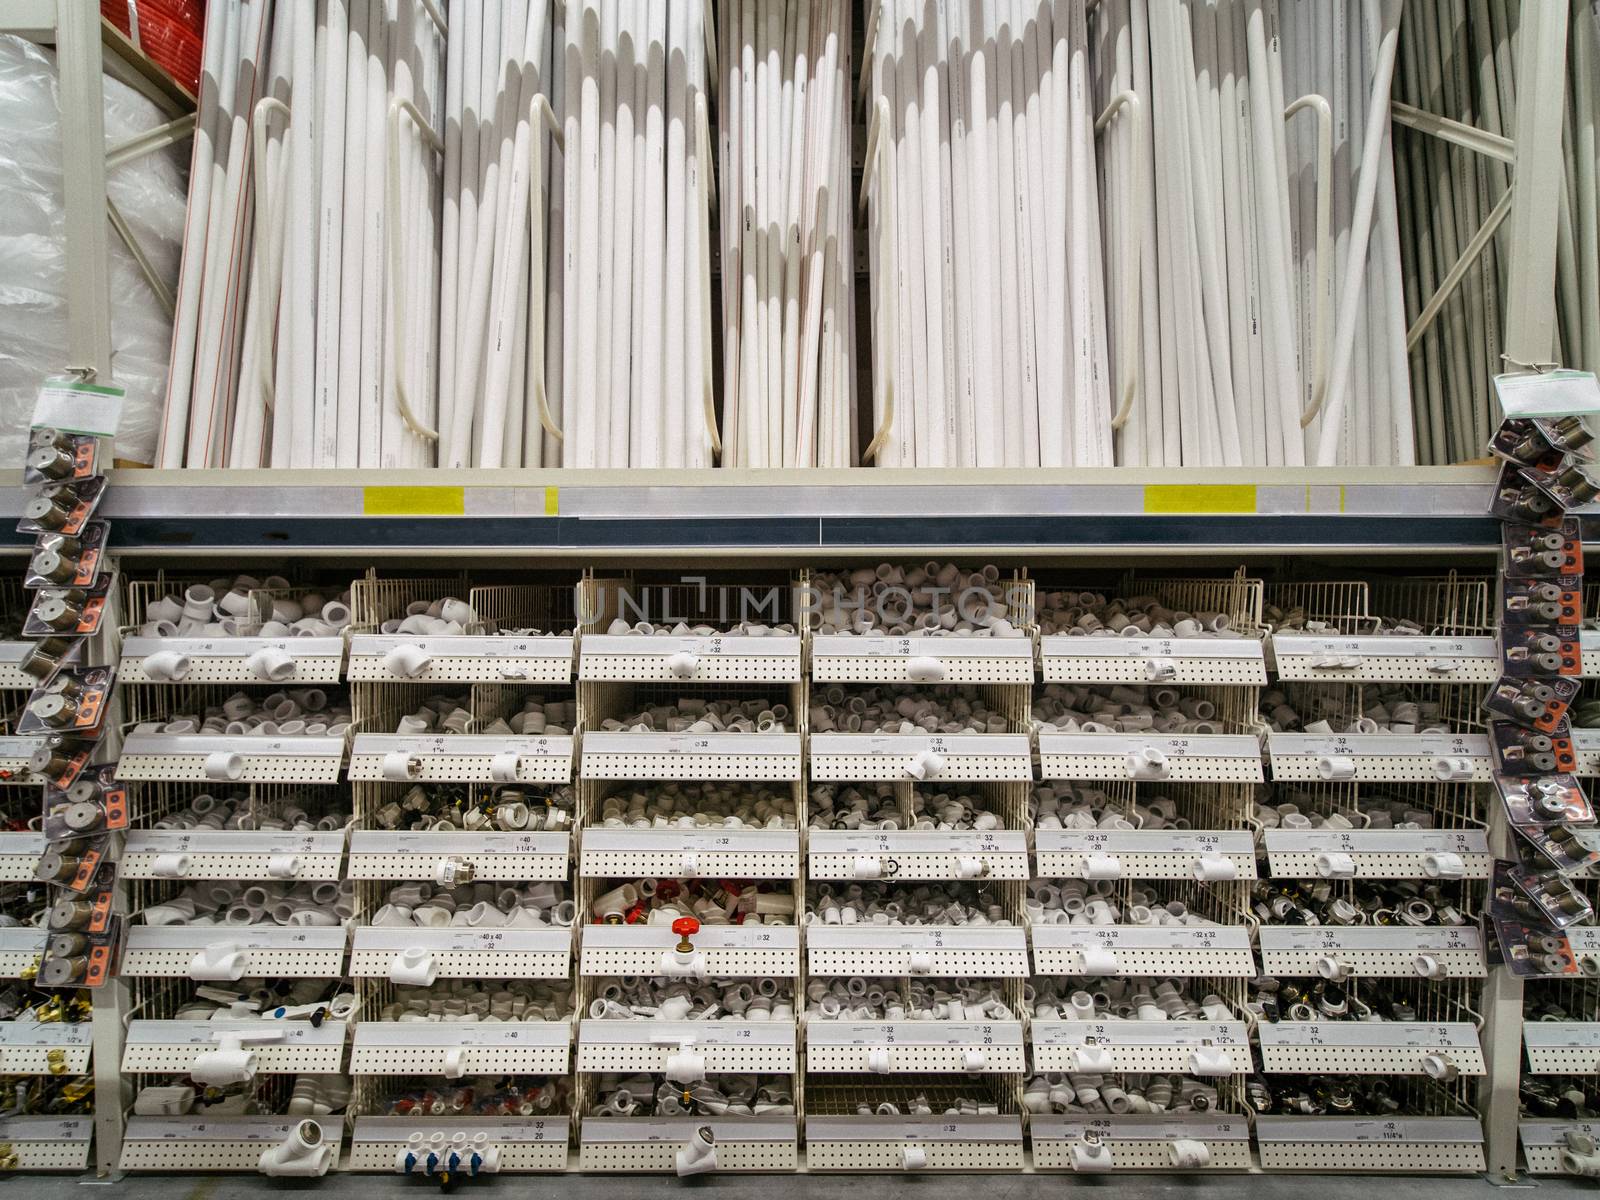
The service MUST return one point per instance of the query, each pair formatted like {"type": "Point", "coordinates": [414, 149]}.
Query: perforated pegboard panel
{"type": "Point", "coordinates": [687, 853]}
{"type": "Point", "coordinates": [272, 951]}
{"type": "Point", "coordinates": [726, 1046]}
{"type": "Point", "coordinates": [1169, 1046]}
{"type": "Point", "coordinates": [465, 659]}
{"type": "Point", "coordinates": [1142, 854]}
{"type": "Point", "coordinates": [1360, 1144]}
{"type": "Point", "coordinates": [1221, 951]}
{"type": "Point", "coordinates": [498, 857]}
{"type": "Point", "coordinates": [732, 951]}
{"type": "Point", "coordinates": [984, 952]}
{"type": "Point", "coordinates": [1543, 1142]}
{"type": "Point", "coordinates": [462, 758]}
{"type": "Point", "coordinates": [1376, 854]}
{"type": "Point", "coordinates": [1562, 1047]}
{"type": "Point", "coordinates": [48, 1143]}
{"type": "Point", "coordinates": [1141, 1143]}
{"type": "Point", "coordinates": [20, 950]}
{"type": "Point", "coordinates": [233, 855]}
{"type": "Point", "coordinates": [1217, 757]}
{"type": "Point", "coordinates": [372, 958]}
{"type": "Point", "coordinates": [228, 660]}
{"type": "Point", "coordinates": [37, 1051]}
{"type": "Point", "coordinates": [1379, 757]}
{"type": "Point", "coordinates": [1385, 659]}
{"type": "Point", "coordinates": [524, 1143]}
{"type": "Point", "coordinates": [19, 856]}
{"type": "Point", "coordinates": [945, 864]}
{"type": "Point", "coordinates": [853, 658]}
{"type": "Point", "coordinates": [873, 1143]}
{"type": "Point", "coordinates": [720, 658]}
{"type": "Point", "coordinates": [652, 1143]}
{"type": "Point", "coordinates": [1367, 1047]}
{"type": "Point", "coordinates": [12, 676]}
{"type": "Point", "coordinates": [915, 1047]}
{"type": "Point", "coordinates": [162, 1046]}
{"type": "Point", "coordinates": [182, 758]}
{"type": "Point", "coordinates": [963, 757]}
{"type": "Point", "coordinates": [753, 757]}
{"type": "Point", "coordinates": [425, 1048]}
{"type": "Point", "coordinates": [1390, 952]}
{"type": "Point", "coordinates": [15, 753]}
{"type": "Point", "coordinates": [1586, 749]}
{"type": "Point", "coordinates": [1588, 643]}
{"type": "Point", "coordinates": [217, 1144]}
{"type": "Point", "coordinates": [1227, 661]}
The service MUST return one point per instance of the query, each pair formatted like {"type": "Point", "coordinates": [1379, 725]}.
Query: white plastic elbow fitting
{"type": "Point", "coordinates": [166, 666]}
{"type": "Point", "coordinates": [1187, 1154]}
{"type": "Point", "coordinates": [407, 660]}
{"type": "Point", "coordinates": [683, 664]}
{"type": "Point", "coordinates": [924, 668]}
{"type": "Point", "coordinates": [1210, 1060]}
{"type": "Point", "coordinates": [925, 765]}
{"type": "Point", "coordinates": [1444, 865]}
{"type": "Point", "coordinates": [271, 663]}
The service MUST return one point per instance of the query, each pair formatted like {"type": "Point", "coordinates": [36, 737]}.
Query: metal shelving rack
{"type": "Point", "coordinates": [598, 518]}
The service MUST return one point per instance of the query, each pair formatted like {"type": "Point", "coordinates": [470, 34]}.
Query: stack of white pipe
{"type": "Point", "coordinates": [1346, 51]}
{"type": "Point", "coordinates": [497, 172]}
{"type": "Point", "coordinates": [308, 337]}
{"type": "Point", "coordinates": [988, 299]}
{"type": "Point", "coordinates": [1214, 374]}
{"type": "Point", "coordinates": [788, 277]}
{"type": "Point", "coordinates": [628, 356]}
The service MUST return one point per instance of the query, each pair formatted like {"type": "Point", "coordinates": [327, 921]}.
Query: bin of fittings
{"type": "Point", "coordinates": [460, 1127]}
{"type": "Point", "coordinates": [913, 1123]}
{"type": "Point", "coordinates": [1152, 630]}
{"type": "Point", "coordinates": [1137, 1026]}
{"type": "Point", "coordinates": [240, 629]}
{"type": "Point", "coordinates": [1355, 631]}
{"type": "Point", "coordinates": [230, 929]}
{"type": "Point", "coordinates": [638, 1121]}
{"type": "Point", "coordinates": [50, 1125]}
{"type": "Point", "coordinates": [1095, 1122]}
{"type": "Point", "coordinates": [202, 831]}
{"type": "Point", "coordinates": [44, 1032]}
{"type": "Point", "coordinates": [1359, 716]}
{"type": "Point", "coordinates": [22, 840]}
{"type": "Point", "coordinates": [913, 1026]}
{"type": "Point", "coordinates": [220, 1033]}
{"type": "Point", "coordinates": [1109, 927]}
{"type": "Point", "coordinates": [1146, 831]}
{"type": "Point", "coordinates": [1405, 1124]}
{"type": "Point", "coordinates": [28, 920]}
{"type": "Point", "coordinates": [1559, 1087]}
{"type": "Point", "coordinates": [1589, 634]}
{"type": "Point", "coordinates": [1376, 831]}
{"type": "Point", "coordinates": [690, 983]}
{"type": "Point", "coordinates": [423, 631]}
{"type": "Point", "coordinates": [439, 832]}
{"type": "Point", "coordinates": [278, 1125]}
{"type": "Point", "coordinates": [909, 830]}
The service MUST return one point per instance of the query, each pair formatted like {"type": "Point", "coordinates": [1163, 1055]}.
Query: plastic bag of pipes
{"type": "Point", "coordinates": [149, 192]}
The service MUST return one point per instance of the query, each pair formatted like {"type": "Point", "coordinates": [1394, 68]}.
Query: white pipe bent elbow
{"type": "Point", "coordinates": [166, 666]}
{"type": "Point", "coordinates": [272, 663]}
{"type": "Point", "coordinates": [407, 660]}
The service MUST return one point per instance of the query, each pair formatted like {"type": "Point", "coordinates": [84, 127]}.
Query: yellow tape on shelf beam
{"type": "Point", "coordinates": [1200, 498]}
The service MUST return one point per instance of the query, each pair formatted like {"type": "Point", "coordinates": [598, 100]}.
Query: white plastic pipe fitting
{"type": "Point", "coordinates": [699, 1154]}
{"type": "Point", "coordinates": [1334, 766]}
{"type": "Point", "coordinates": [1448, 770]}
{"type": "Point", "coordinates": [505, 768]}
{"type": "Point", "coordinates": [1335, 865]}
{"type": "Point", "coordinates": [913, 1157]}
{"type": "Point", "coordinates": [171, 866]}
{"type": "Point", "coordinates": [400, 767]}
{"type": "Point", "coordinates": [1188, 1154]}
{"type": "Point", "coordinates": [413, 967]}
{"type": "Point", "coordinates": [924, 668]}
{"type": "Point", "coordinates": [302, 1153]}
{"type": "Point", "coordinates": [272, 663]}
{"type": "Point", "coordinates": [1093, 1060]}
{"type": "Point", "coordinates": [1100, 866]}
{"type": "Point", "coordinates": [1100, 960]}
{"type": "Point", "coordinates": [686, 1066]}
{"type": "Point", "coordinates": [407, 660]}
{"type": "Point", "coordinates": [1444, 865]}
{"type": "Point", "coordinates": [222, 960]}
{"type": "Point", "coordinates": [925, 766]}
{"type": "Point", "coordinates": [1210, 1060]}
{"type": "Point", "coordinates": [1332, 969]}
{"type": "Point", "coordinates": [224, 766]}
{"type": "Point", "coordinates": [1147, 763]}
{"type": "Point", "coordinates": [683, 664]}
{"type": "Point", "coordinates": [1091, 1156]}
{"type": "Point", "coordinates": [1209, 868]}
{"type": "Point", "coordinates": [1429, 967]}
{"type": "Point", "coordinates": [166, 666]}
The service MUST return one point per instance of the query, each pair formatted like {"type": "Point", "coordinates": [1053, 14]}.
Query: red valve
{"type": "Point", "coordinates": [684, 927]}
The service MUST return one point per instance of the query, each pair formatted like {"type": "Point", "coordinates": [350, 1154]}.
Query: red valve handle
{"type": "Point", "coordinates": [683, 927]}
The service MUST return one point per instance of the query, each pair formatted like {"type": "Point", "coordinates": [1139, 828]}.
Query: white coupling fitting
{"type": "Point", "coordinates": [1332, 969]}
{"type": "Point", "coordinates": [1210, 1060]}
{"type": "Point", "coordinates": [1187, 1154]}
{"type": "Point", "coordinates": [302, 1153]}
{"type": "Point", "coordinates": [166, 666]}
{"type": "Point", "coordinates": [1100, 866]}
{"type": "Point", "coordinates": [1336, 766]}
{"type": "Point", "coordinates": [283, 866]}
{"type": "Point", "coordinates": [913, 1157]}
{"type": "Point", "coordinates": [1211, 867]}
{"type": "Point", "coordinates": [924, 668]}
{"type": "Point", "coordinates": [1440, 1068]}
{"type": "Point", "coordinates": [683, 664]}
{"type": "Point", "coordinates": [868, 866]}
{"type": "Point", "coordinates": [224, 766]}
{"type": "Point", "coordinates": [399, 767]}
{"type": "Point", "coordinates": [505, 768]}
{"type": "Point", "coordinates": [1579, 1156]}
{"type": "Point", "coordinates": [170, 866]}
{"type": "Point", "coordinates": [1447, 770]}
{"type": "Point", "coordinates": [1100, 960]}
{"type": "Point", "coordinates": [878, 1060]}
{"type": "Point", "coordinates": [970, 866]}
{"type": "Point", "coordinates": [1430, 967]}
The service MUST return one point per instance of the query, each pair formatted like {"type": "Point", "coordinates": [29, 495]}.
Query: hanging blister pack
{"type": "Point", "coordinates": [96, 803]}
{"type": "Point", "coordinates": [1542, 552]}
{"type": "Point", "coordinates": [1528, 753]}
{"type": "Point", "coordinates": [75, 702]}
{"type": "Point", "coordinates": [61, 561]}
{"type": "Point", "coordinates": [1550, 800]}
